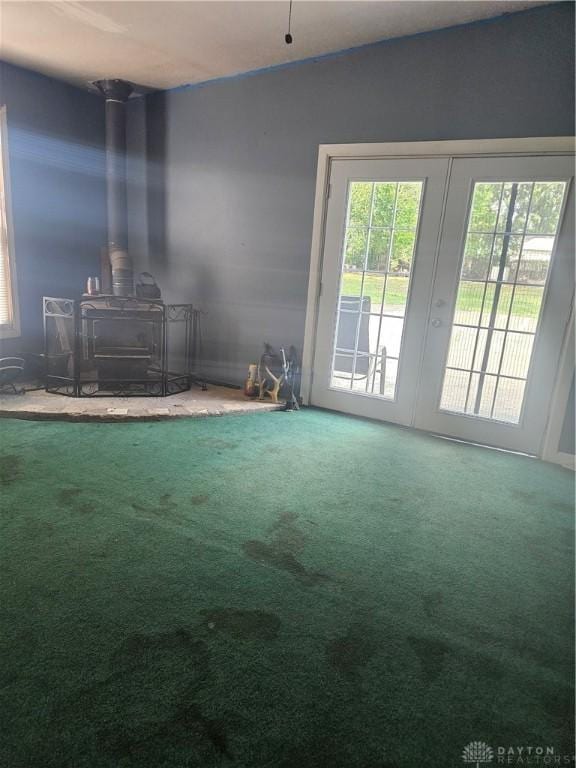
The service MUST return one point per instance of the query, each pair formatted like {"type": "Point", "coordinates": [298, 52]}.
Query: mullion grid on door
{"type": "Point", "coordinates": [477, 335]}
{"type": "Point", "coordinates": [386, 273]}
{"type": "Point", "coordinates": [353, 354]}
{"type": "Point", "coordinates": [481, 371]}
{"type": "Point", "coordinates": [513, 291]}
{"type": "Point", "coordinates": [497, 289]}
{"type": "Point", "coordinates": [361, 302]}
{"type": "Point", "coordinates": [512, 340]}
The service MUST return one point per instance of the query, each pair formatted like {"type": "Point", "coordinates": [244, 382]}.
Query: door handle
{"type": "Point", "coordinates": [436, 322]}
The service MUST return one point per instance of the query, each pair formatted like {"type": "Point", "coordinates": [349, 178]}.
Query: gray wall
{"type": "Point", "coordinates": [55, 142]}
{"type": "Point", "coordinates": [231, 184]}
{"type": "Point", "coordinates": [566, 443]}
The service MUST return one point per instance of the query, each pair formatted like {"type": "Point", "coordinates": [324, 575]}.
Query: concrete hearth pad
{"type": "Point", "coordinates": [216, 401]}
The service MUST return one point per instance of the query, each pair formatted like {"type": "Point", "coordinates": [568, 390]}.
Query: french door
{"type": "Point", "coordinates": [446, 289]}
{"type": "Point", "coordinates": [381, 233]}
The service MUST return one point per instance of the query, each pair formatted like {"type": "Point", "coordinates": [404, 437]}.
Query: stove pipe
{"type": "Point", "coordinates": [117, 93]}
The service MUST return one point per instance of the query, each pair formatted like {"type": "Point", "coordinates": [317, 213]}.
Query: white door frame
{"type": "Point", "coordinates": [328, 152]}
{"type": "Point", "coordinates": [550, 450]}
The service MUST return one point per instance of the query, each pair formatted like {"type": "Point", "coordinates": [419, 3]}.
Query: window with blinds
{"type": "Point", "coordinates": [8, 319]}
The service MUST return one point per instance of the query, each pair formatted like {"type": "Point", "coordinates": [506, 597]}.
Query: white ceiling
{"type": "Point", "coordinates": [166, 44]}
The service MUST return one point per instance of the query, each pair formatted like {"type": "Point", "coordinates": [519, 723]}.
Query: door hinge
{"type": "Point", "coordinates": [329, 192]}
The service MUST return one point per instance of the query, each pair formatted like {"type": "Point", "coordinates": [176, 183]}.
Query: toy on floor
{"type": "Point", "coordinates": [270, 374]}
{"type": "Point", "coordinates": [276, 372]}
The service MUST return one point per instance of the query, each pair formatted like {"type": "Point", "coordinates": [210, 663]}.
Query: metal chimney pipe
{"type": "Point", "coordinates": [117, 93]}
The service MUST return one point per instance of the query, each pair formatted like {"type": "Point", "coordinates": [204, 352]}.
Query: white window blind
{"type": "Point", "coordinates": [6, 300]}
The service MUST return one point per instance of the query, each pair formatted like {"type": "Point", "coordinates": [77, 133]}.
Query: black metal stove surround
{"type": "Point", "coordinates": [119, 346]}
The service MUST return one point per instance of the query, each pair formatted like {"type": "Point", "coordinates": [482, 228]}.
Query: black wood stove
{"type": "Point", "coordinates": [119, 346]}
{"type": "Point", "coordinates": [116, 343]}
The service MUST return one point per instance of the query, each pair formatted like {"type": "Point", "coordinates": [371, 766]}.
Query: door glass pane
{"type": "Point", "coordinates": [379, 243]}
{"type": "Point", "coordinates": [511, 235]}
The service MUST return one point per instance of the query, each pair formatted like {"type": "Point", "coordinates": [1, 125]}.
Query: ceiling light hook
{"type": "Point", "coordinates": [288, 37]}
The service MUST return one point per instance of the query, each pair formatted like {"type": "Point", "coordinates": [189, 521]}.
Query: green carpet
{"type": "Point", "coordinates": [278, 590]}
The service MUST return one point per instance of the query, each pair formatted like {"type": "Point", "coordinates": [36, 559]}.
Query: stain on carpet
{"type": "Point", "coordinates": [352, 652]}
{"type": "Point", "coordinates": [485, 665]}
{"type": "Point", "coordinates": [137, 647]}
{"type": "Point", "coordinates": [544, 502]}
{"type": "Point", "coordinates": [270, 554]}
{"type": "Point", "coordinates": [186, 727]}
{"type": "Point", "coordinates": [201, 498]}
{"type": "Point", "coordinates": [106, 549]}
{"type": "Point", "coordinates": [559, 704]}
{"type": "Point", "coordinates": [536, 655]}
{"type": "Point", "coordinates": [534, 547]}
{"type": "Point", "coordinates": [39, 528]}
{"type": "Point", "coordinates": [217, 444]}
{"type": "Point", "coordinates": [286, 534]}
{"type": "Point", "coordinates": [70, 497]}
{"type": "Point", "coordinates": [67, 496]}
{"type": "Point", "coordinates": [166, 509]}
{"type": "Point", "coordinates": [243, 625]}
{"type": "Point", "coordinates": [432, 655]}
{"type": "Point", "coordinates": [147, 705]}
{"type": "Point", "coordinates": [165, 506]}
{"type": "Point", "coordinates": [87, 508]}
{"type": "Point", "coordinates": [478, 633]}
{"type": "Point", "coordinates": [520, 642]}
{"type": "Point", "coordinates": [432, 602]}
{"type": "Point", "coordinates": [286, 541]}
{"type": "Point", "coordinates": [10, 469]}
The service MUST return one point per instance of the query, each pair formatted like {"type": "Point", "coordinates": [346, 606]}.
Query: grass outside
{"type": "Point", "coordinates": [527, 300]}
